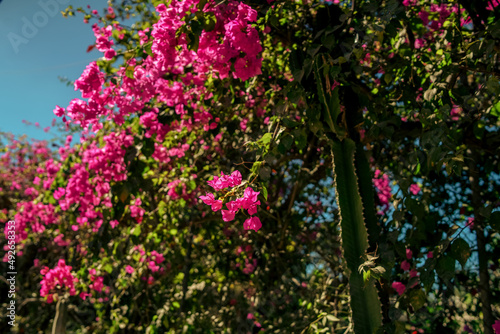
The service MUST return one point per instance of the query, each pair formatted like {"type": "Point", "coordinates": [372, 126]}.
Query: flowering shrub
{"type": "Point", "coordinates": [310, 101]}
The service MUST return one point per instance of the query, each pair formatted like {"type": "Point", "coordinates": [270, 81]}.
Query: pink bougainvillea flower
{"type": "Point", "coordinates": [227, 215]}
{"type": "Point", "coordinates": [405, 265]}
{"type": "Point", "coordinates": [496, 326]}
{"type": "Point", "coordinates": [249, 197]}
{"type": "Point", "coordinates": [225, 181]}
{"type": "Point", "coordinates": [109, 54]}
{"type": "Point", "coordinates": [245, 68]}
{"type": "Point", "coordinates": [157, 257]}
{"type": "Point", "coordinates": [470, 223]}
{"type": "Point", "coordinates": [217, 184]}
{"type": "Point", "coordinates": [209, 199]}
{"type": "Point", "coordinates": [253, 208]}
{"type": "Point", "coordinates": [491, 6]}
{"type": "Point", "coordinates": [243, 124]}
{"type": "Point", "coordinates": [216, 205]}
{"type": "Point", "coordinates": [252, 223]}
{"type": "Point", "coordinates": [59, 193]}
{"type": "Point", "coordinates": [136, 210]}
{"type": "Point", "coordinates": [455, 113]}
{"type": "Point", "coordinates": [409, 254]}
{"type": "Point", "coordinates": [415, 189]}
{"type": "Point", "coordinates": [233, 206]}
{"type": "Point", "coordinates": [97, 283]}
{"type": "Point", "coordinates": [249, 266]}
{"type": "Point", "coordinates": [235, 179]}
{"type": "Point", "coordinates": [84, 295]}
{"type": "Point", "coordinates": [399, 287]}
{"type": "Point", "coordinates": [129, 269]}
{"type": "Point", "coordinates": [383, 188]}
{"type": "Point", "coordinates": [90, 82]}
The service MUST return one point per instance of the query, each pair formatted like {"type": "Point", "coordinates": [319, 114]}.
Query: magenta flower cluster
{"type": "Point", "coordinates": [415, 189]}
{"type": "Point", "coordinates": [154, 261]}
{"type": "Point", "coordinates": [103, 41]}
{"type": "Point", "coordinates": [247, 202]}
{"type": "Point", "coordinates": [89, 193]}
{"type": "Point", "coordinates": [247, 253]}
{"type": "Point", "coordinates": [232, 47]}
{"type": "Point", "coordinates": [383, 188]}
{"type": "Point", "coordinates": [57, 280]}
{"type": "Point", "coordinates": [174, 76]}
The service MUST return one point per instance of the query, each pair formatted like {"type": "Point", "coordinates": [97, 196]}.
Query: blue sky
{"type": "Point", "coordinates": [37, 45]}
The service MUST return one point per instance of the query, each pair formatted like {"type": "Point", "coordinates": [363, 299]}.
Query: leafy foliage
{"type": "Point", "coordinates": [405, 94]}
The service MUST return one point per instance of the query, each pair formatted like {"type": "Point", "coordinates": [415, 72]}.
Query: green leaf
{"type": "Point", "coordinates": [494, 221]}
{"type": "Point", "coordinates": [148, 147]}
{"type": "Point", "coordinates": [201, 4]}
{"type": "Point", "coordinates": [328, 41]}
{"type": "Point", "coordinates": [313, 49]}
{"type": "Point", "coordinates": [492, 85]}
{"type": "Point", "coordinates": [193, 41]}
{"type": "Point", "coordinates": [300, 138]}
{"type": "Point", "coordinates": [495, 110]}
{"type": "Point", "coordinates": [460, 251]}
{"type": "Point", "coordinates": [332, 318]}
{"type": "Point", "coordinates": [264, 192]}
{"type": "Point", "coordinates": [178, 278]}
{"type": "Point", "coordinates": [427, 277]}
{"type": "Point", "coordinates": [286, 140]}
{"type": "Point", "coordinates": [265, 173]}
{"type": "Point", "coordinates": [136, 231]}
{"type": "Point", "coordinates": [315, 126]}
{"type": "Point", "coordinates": [256, 167]}
{"type": "Point", "coordinates": [378, 271]}
{"type": "Point", "coordinates": [417, 299]}
{"type": "Point", "coordinates": [290, 123]}
{"type": "Point", "coordinates": [266, 139]}
{"type": "Point", "coordinates": [108, 268]}
{"type": "Point", "coordinates": [446, 267]}
{"type": "Point", "coordinates": [478, 130]}
{"type": "Point", "coordinates": [366, 276]}
{"type": "Point", "coordinates": [387, 78]}
{"type": "Point", "coordinates": [400, 328]}
{"type": "Point", "coordinates": [129, 72]}
{"type": "Point", "coordinates": [209, 22]}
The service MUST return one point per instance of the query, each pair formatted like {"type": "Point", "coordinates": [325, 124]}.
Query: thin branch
{"type": "Point", "coordinates": [480, 70]}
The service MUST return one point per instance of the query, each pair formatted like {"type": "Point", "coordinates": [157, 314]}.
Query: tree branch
{"type": "Point", "coordinates": [479, 221]}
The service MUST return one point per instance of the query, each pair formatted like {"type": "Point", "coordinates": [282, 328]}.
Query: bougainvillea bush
{"type": "Point", "coordinates": [274, 166]}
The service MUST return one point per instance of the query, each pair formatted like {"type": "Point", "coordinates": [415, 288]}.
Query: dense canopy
{"type": "Point", "coordinates": [278, 166]}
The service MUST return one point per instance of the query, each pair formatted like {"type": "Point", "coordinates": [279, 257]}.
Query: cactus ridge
{"type": "Point", "coordinates": [367, 195]}
{"type": "Point", "coordinates": [365, 304]}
